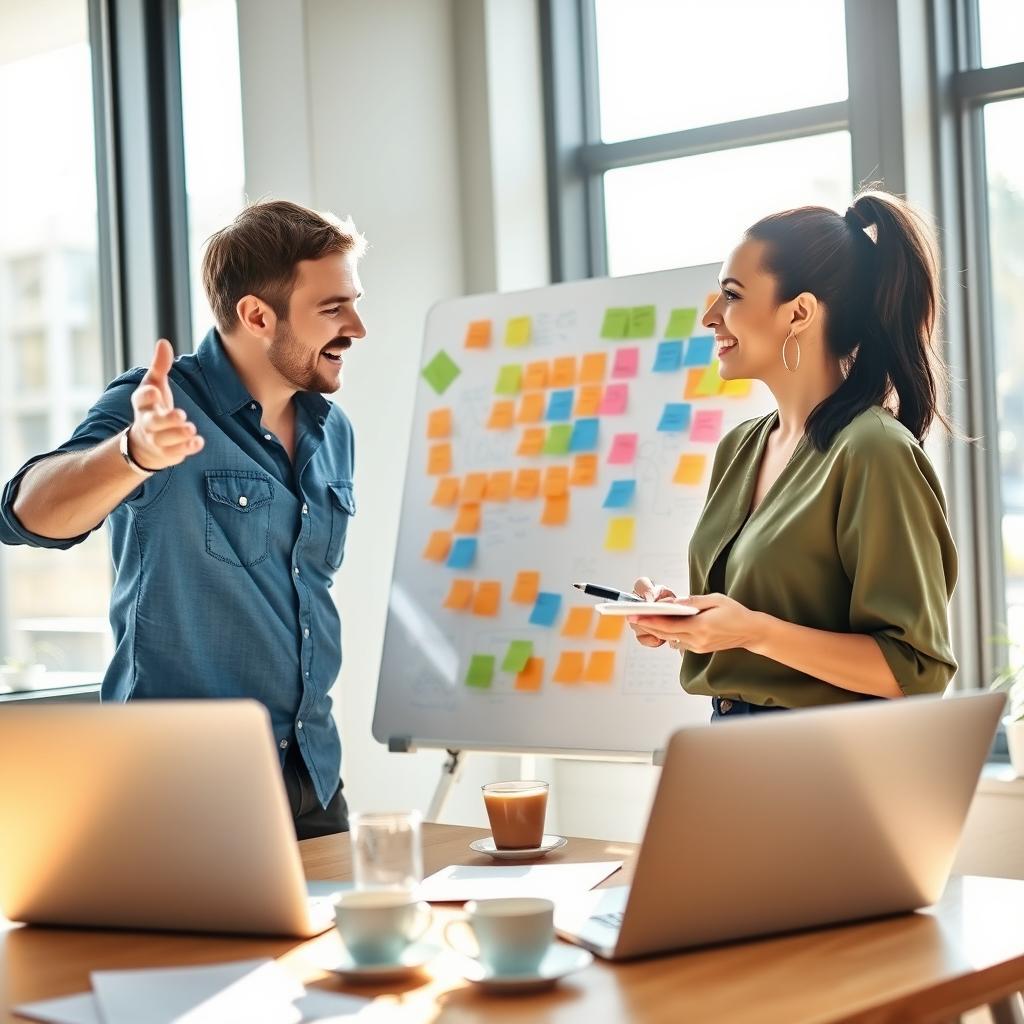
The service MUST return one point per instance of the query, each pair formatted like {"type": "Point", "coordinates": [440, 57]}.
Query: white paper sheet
{"type": "Point", "coordinates": [460, 882]}
{"type": "Point", "coordinates": [319, 1005]}
{"type": "Point", "coordinates": [80, 1009]}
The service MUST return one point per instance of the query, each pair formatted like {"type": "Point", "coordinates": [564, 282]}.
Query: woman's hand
{"type": "Point", "coordinates": [649, 592]}
{"type": "Point", "coordinates": [721, 625]}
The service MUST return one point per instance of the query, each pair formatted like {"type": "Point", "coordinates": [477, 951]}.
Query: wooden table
{"type": "Point", "coordinates": [966, 951]}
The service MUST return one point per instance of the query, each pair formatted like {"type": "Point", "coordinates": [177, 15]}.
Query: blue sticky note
{"type": "Point", "coordinates": [620, 494]}
{"type": "Point", "coordinates": [675, 417]}
{"type": "Point", "coordinates": [584, 435]}
{"type": "Point", "coordinates": [669, 357]}
{"type": "Point", "coordinates": [462, 554]}
{"type": "Point", "coordinates": [545, 611]}
{"type": "Point", "coordinates": [560, 405]}
{"type": "Point", "coordinates": [699, 350]}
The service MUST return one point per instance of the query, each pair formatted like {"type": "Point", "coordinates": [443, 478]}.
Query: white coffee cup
{"type": "Point", "coordinates": [512, 935]}
{"type": "Point", "coordinates": [378, 925]}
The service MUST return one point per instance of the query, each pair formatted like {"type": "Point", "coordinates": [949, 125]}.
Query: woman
{"type": "Point", "coordinates": [822, 562]}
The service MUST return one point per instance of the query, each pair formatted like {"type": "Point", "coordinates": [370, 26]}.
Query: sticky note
{"type": "Point", "coordinates": [558, 439]}
{"type": "Point", "coordinates": [707, 426]}
{"type": "Point", "coordinates": [545, 609]}
{"type": "Point", "coordinates": [626, 362]}
{"type": "Point", "coordinates": [609, 627]}
{"type": "Point", "coordinates": [616, 323]}
{"type": "Point", "coordinates": [556, 481]}
{"type": "Point", "coordinates": [588, 400]}
{"type": "Point", "coordinates": [502, 414]}
{"type": "Point", "coordinates": [527, 484]}
{"type": "Point", "coordinates": [710, 382]}
{"type": "Point", "coordinates": [487, 599]}
{"type": "Point", "coordinates": [699, 350]}
{"type": "Point", "coordinates": [440, 372]}
{"type": "Point", "coordinates": [600, 667]}
{"type": "Point", "coordinates": [584, 435]}
{"type": "Point", "coordinates": [577, 622]}
{"type": "Point", "coordinates": [560, 405]}
{"type": "Point", "coordinates": [675, 417]}
{"type": "Point", "coordinates": [620, 534]}
{"type": "Point", "coordinates": [439, 459]}
{"type": "Point", "coordinates": [447, 491]}
{"type": "Point", "coordinates": [584, 471]}
{"type": "Point", "coordinates": [536, 375]}
{"type": "Point", "coordinates": [517, 331]}
{"type": "Point", "coordinates": [556, 510]}
{"type": "Point", "coordinates": [739, 388]}
{"type": "Point", "coordinates": [641, 322]}
{"type": "Point", "coordinates": [623, 450]}
{"type": "Point", "coordinates": [563, 372]}
{"type": "Point", "coordinates": [438, 546]}
{"type": "Point", "coordinates": [569, 668]}
{"type": "Point", "coordinates": [693, 379]}
{"type": "Point", "coordinates": [481, 671]}
{"type": "Point", "coordinates": [710, 299]}
{"type": "Point", "coordinates": [532, 441]}
{"type": "Point", "coordinates": [690, 469]}
{"type": "Point", "coordinates": [532, 676]}
{"type": "Point", "coordinates": [473, 488]}
{"type": "Point", "coordinates": [462, 554]}
{"type": "Point", "coordinates": [592, 368]}
{"type": "Point", "coordinates": [439, 423]}
{"type": "Point", "coordinates": [524, 590]}
{"type": "Point", "coordinates": [499, 485]}
{"type": "Point", "coordinates": [615, 400]}
{"type": "Point", "coordinates": [460, 595]}
{"type": "Point", "coordinates": [468, 519]}
{"type": "Point", "coordinates": [531, 407]}
{"type": "Point", "coordinates": [669, 357]}
{"type": "Point", "coordinates": [620, 494]}
{"type": "Point", "coordinates": [509, 380]}
{"type": "Point", "coordinates": [518, 654]}
{"type": "Point", "coordinates": [478, 334]}
{"type": "Point", "coordinates": [681, 323]}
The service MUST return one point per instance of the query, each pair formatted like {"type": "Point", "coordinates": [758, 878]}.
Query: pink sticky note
{"type": "Point", "coordinates": [623, 450]}
{"type": "Point", "coordinates": [707, 425]}
{"type": "Point", "coordinates": [615, 400]}
{"type": "Point", "coordinates": [626, 362]}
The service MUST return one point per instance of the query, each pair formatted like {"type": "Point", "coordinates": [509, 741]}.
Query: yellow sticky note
{"type": "Point", "coordinates": [609, 627]}
{"type": "Point", "coordinates": [502, 413]}
{"type": "Point", "coordinates": [556, 510]}
{"type": "Point", "coordinates": [737, 388]}
{"type": "Point", "coordinates": [499, 485]}
{"type": "Point", "coordinates": [438, 546]}
{"type": "Point", "coordinates": [569, 668]}
{"type": "Point", "coordinates": [693, 380]}
{"type": "Point", "coordinates": [468, 519]}
{"type": "Point", "coordinates": [710, 382]}
{"type": "Point", "coordinates": [439, 459]}
{"type": "Point", "coordinates": [592, 368]}
{"type": "Point", "coordinates": [563, 372]}
{"type": "Point", "coordinates": [527, 484]}
{"type": "Point", "coordinates": [690, 469]}
{"type": "Point", "coordinates": [460, 595]}
{"type": "Point", "coordinates": [620, 534]}
{"type": "Point", "coordinates": [532, 441]}
{"type": "Point", "coordinates": [478, 334]}
{"type": "Point", "coordinates": [600, 667]}
{"type": "Point", "coordinates": [556, 481]}
{"type": "Point", "coordinates": [487, 598]}
{"type": "Point", "coordinates": [535, 375]}
{"type": "Point", "coordinates": [526, 586]}
{"type": "Point", "coordinates": [577, 622]}
{"type": "Point", "coordinates": [532, 675]}
{"type": "Point", "coordinates": [531, 407]}
{"type": "Point", "coordinates": [473, 488]}
{"type": "Point", "coordinates": [439, 423]}
{"type": "Point", "coordinates": [517, 331]}
{"type": "Point", "coordinates": [588, 400]}
{"type": "Point", "coordinates": [584, 470]}
{"type": "Point", "coordinates": [447, 491]}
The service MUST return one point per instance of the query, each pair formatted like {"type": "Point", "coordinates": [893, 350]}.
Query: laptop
{"type": "Point", "coordinates": [781, 822]}
{"type": "Point", "coordinates": [153, 815]}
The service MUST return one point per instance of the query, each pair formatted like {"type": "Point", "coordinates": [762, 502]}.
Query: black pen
{"type": "Point", "coordinates": [607, 593]}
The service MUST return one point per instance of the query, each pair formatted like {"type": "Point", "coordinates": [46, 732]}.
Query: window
{"type": "Point", "coordinates": [1002, 32]}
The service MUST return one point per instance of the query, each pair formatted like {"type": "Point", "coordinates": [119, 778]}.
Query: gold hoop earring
{"type": "Point", "coordinates": [785, 362]}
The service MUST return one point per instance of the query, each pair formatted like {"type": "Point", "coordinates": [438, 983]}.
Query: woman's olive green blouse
{"type": "Point", "coordinates": [851, 540]}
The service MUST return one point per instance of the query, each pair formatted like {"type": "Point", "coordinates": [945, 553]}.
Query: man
{"type": "Point", "coordinates": [226, 478]}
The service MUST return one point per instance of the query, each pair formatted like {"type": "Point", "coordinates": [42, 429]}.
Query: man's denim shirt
{"type": "Point", "coordinates": [224, 563]}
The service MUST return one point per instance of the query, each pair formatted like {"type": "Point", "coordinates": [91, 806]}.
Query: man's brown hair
{"type": "Point", "coordinates": [259, 251]}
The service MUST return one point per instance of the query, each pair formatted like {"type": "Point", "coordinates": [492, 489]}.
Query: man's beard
{"type": "Point", "coordinates": [285, 356]}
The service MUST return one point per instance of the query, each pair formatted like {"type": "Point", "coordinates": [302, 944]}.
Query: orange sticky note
{"type": "Point", "coordinates": [563, 372]}
{"type": "Point", "coordinates": [499, 485]}
{"type": "Point", "coordinates": [584, 470]}
{"type": "Point", "coordinates": [473, 488]}
{"type": "Point", "coordinates": [592, 368]}
{"type": "Point", "coordinates": [524, 591]}
{"type": "Point", "coordinates": [532, 675]}
{"type": "Point", "coordinates": [527, 484]}
{"type": "Point", "coordinates": [460, 595]}
{"type": "Point", "coordinates": [478, 334]}
{"type": "Point", "coordinates": [447, 492]}
{"type": "Point", "coordinates": [438, 546]}
{"type": "Point", "coordinates": [531, 407]}
{"type": "Point", "coordinates": [609, 627]}
{"type": "Point", "coordinates": [487, 598]}
{"type": "Point", "coordinates": [600, 667]}
{"type": "Point", "coordinates": [556, 481]}
{"type": "Point", "coordinates": [588, 400]}
{"type": "Point", "coordinates": [690, 469]}
{"type": "Point", "coordinates": [737, 388]}
{"type": "Point", "coordinates": [569, 668]}
{"type": "Point", "coordinates": [577, 622]}
{"type": "Point", "coordinates": [535, 375]}
{"type": "Point", "coordinates": [468, 519]}
{"type": "Point", "coordinates": [439, 423]}
{"type": "Point", "coordinates": [710, 300]}
{"type": "Point", "coordinates": [532, 441]}
{"type": "Point", "coordinates": [620, 534]}
{"type": "Point", "coordinates": [556, 510]}
{"type": "Point", "coordinates": [439, 459]}
{"type": "Point", "coordinates": [502, 413]}
{"type": "Point", "coordinates": [693, 379]}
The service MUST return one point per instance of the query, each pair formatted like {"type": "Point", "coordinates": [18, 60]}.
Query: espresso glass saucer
{"type": "Point", "coordinates": [547, 845]}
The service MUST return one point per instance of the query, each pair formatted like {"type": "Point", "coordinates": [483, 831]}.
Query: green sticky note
{"type": "Point", "coordinates": [509, 380]}
{"type": "Point", "coordinates": [440, 372]}
{"type": "Point", "coordinates": [517, 331]}
{"type": "Point", "coordinates": [710, 382]}
{"type": "Point", "coordinates": [616, 321]}
{"type": "Point", "coordinates": [481, 671]}
{"type": "Point", "coordinates": [681, 323]}
{"type": "Point", "coordinates": [558, 440]}
{"type": "Point", "coordinates": [641, 322]}
{"type": "Point", "coordinates": [518, 654]}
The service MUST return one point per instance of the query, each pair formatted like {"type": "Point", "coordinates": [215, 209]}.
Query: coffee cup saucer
{"type": "Point", "coordinates": [559, 961]}
{"type": "Point", "coordinates": [414, 958]}
{"type": "Point", "coordinates": [548, 844]}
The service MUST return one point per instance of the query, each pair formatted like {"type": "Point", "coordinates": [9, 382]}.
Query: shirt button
{"type": "Point", "coordinates": [284, 744]}
{"type": "Point", "coordinates": [724, 706]}
{"type": "Point", "coordinates": [296, 570]}
{"type": "Point", "coordinates": [305, 632]}
{"type": "Point", "coordinates": [268, 437]}
{"type": "Point", "coordinates": [243, 501]}
{"type": "Point", "coordinates": [252, 405]}
{"type": "Point", "coordinates": [305, 510]}
{"type": "Point", "coordinates": [298, 724]}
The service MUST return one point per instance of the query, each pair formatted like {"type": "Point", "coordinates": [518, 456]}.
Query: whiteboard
{"type": "Point", "coordinates": [452, 671]}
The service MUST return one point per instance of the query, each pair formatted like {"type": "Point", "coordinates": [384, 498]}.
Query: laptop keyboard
{"type": "Point", "coordinates": [612, 920]}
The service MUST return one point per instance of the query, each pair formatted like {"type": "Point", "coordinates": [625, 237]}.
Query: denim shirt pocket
{"type": "Point", "coordinates": [238, 516]}
{"type": "Point", "coordinates": [343, 508]}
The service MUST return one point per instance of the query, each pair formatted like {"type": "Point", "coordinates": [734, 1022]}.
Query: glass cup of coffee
{"type": "Point", "coordinates": [516, 812]}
